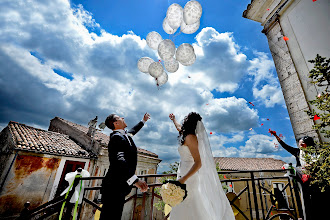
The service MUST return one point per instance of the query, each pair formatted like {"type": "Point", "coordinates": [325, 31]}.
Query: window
{"type": "Point", "coordinates": [143, 172]}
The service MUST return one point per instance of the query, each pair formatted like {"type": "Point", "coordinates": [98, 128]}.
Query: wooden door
{"type": "Point", "coordinates": [70, 166]}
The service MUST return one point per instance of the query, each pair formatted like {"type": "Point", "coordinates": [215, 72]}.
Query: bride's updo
{"type": "Point", "coordinates": [189, 126]}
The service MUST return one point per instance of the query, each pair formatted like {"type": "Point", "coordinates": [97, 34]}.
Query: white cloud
{"type": "Point", "coordinates": [221, 140]}
{"type": "Point", "coordinates": [219, 59]}
{"type": "Point", "coordinates": [262, 68]}
{"type": "Point", "coordinates": [270, 95]}
{"type": "Point", "coordinates": [106, 79]}
{"type": "Point", "coordinates": [84, 17]}
{"type": "Point", "coordinates": [258, 144]}
{"type": "Point", "coordinates": [229, 115]}
{"type": "Point", "coordinates": [266, 87]}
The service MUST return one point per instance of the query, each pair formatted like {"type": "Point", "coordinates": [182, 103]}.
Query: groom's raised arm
{"type": "Point", "coordinates": [138, 127]}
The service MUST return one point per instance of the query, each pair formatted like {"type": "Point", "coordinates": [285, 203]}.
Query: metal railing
{"type": "Point", "coordinates": [261, 201]}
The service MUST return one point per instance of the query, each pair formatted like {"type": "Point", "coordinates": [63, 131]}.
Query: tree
{"type": "Point", "coordinates": [173, 168]}
{"type": "Point", "coordinates": [318, 157]}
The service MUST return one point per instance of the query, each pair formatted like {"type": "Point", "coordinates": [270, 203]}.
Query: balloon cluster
{"type": "Point", "coordinates": [188, 19]}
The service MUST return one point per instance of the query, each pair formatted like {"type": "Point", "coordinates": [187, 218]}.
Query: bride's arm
{"type": "Point", "coordinates": [177, 124]}
{"type": "Point", "coordinates": [192, 143]}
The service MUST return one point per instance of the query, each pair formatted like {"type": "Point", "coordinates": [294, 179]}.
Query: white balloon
{"type": "Point", "coordinates": [162, 79]}
{"type": "Point", "coordinates": [167, 28]}
{"type": "Point", "coordinates": [192, 12]}
{"type": "Point", "coordinates": [156, 69]}
{"type": "Point", "coordinates": [166, 49]}
{"type": "Point", "coordinates": [185, 53]}
{"type": "Point", "coordinates": [174, 15]}
{"type": "Point", "coordinates": [171, 65]}
{"type": "Point", "coordinates": [190, 62]}
{"type": "Point", "coordinates": [189, 29]}
{"type": "Point", "coordinates": [153, 39]}
{"type": "Point", "coordinates": [144, 63]}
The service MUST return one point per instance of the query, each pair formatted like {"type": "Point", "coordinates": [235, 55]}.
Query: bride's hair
{"type": "Point", "coordinates": [189, 126]}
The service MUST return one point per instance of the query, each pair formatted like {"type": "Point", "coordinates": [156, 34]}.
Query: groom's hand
{"type": "Point", "coordinates": [141, 185]}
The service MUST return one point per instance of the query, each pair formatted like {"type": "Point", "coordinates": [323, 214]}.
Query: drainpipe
{"type": "Point", "coordinates": [11, 165]}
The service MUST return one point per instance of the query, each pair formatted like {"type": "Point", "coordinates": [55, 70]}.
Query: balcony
{"type": "Point", "coordinates": [258, 194]}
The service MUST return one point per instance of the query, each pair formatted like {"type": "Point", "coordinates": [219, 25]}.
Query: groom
{"type": "Point", "coordinates": [121, 177]}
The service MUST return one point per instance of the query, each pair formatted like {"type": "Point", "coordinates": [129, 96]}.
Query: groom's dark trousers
{"type": "Point", "coordinates": [123, 160]}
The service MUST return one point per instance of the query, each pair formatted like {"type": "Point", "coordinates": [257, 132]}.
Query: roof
{"type": "Point", "coordinates": [103, 138]}
{"type": "Point", "coordinates": [99, 136]}
{"type": "Point", "coordinates": [246, 10]}
{"type": "Point", "coordinates": [238, 163]}
{"type": "Point", "coordinates": [47, 142]}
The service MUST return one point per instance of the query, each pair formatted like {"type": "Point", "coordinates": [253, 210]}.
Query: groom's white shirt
{"type": "Point", "coordinates": [131, 180]}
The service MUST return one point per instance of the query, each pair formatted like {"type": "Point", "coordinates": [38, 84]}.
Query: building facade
{"type": "Point", "coordinates": [34, 163]}
{"type": "Point", "coordinates": [265, 168]}
{"type": "Point", "coordinates": [297, 30]}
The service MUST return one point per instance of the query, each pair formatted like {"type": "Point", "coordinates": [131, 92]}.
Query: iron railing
{"type": "Point", "coordinates": [261, 201]}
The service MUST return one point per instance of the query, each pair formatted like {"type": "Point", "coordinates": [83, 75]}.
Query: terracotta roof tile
{"type": "Point", "coordinates": [103, 138]}
{"type": "Point", "coordinates": [47, 142]}
{"type": "Point", "coordinates": [238, 163]}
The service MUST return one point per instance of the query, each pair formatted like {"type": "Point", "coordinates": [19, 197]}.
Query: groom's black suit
{"type": "Point", "coordinates": [123, 160]}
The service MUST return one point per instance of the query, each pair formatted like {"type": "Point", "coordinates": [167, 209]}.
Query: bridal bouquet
{"type": "Point", "coordinates": [173, 192]}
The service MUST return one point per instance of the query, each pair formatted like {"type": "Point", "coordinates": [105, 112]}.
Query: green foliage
{"type": "Point", "coordinates": [160, 205]}
{"type": "Point", "coordinates": [320, 73]}
{"type": "Point", "coordinates": [320, 76]}
{"type": "Point", "coordinates": [173, 168]}
{"type": "Point", "coordinates": [221, 177]}
{"type": "Point", "coordinates": [318, 157]}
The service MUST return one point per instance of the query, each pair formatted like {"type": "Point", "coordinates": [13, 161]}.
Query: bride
{"type": "Point", "coordinates": [206, 199]}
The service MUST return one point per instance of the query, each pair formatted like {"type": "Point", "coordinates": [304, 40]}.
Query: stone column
{"type": "Point", "coordinates": [292, 89]}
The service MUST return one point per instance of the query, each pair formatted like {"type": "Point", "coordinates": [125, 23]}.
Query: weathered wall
{"type": "Point", "coordinates": [30, 179]}
{"type": "Point", "coordinates": [6, 153]}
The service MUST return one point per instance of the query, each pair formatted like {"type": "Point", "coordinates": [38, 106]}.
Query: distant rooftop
{"type": "Point", "coordinates": [103, 138]}
{"type": "Point", "coordinates": [238, 163]}
{"type": "Point", "coordinates": [32, 139]}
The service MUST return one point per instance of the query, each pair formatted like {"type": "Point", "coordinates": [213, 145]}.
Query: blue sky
{"type": "Point", "coordinates": [78, 59]}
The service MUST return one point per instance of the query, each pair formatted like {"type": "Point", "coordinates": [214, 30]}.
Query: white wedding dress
{"type": "Point", "coordinates": [206, 199]}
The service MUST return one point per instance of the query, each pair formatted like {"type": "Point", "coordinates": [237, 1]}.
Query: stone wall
{"type": "Point", "coordinates": [292, 89]}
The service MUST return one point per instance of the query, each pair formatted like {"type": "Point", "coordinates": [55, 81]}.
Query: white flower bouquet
{"type": "Point", "coordinates": [173, 192]}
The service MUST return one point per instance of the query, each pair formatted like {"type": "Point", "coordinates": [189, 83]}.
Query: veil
{"type": "Point", "coordinates": [212, 194]}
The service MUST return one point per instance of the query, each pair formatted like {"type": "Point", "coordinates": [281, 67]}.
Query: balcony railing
{"type": "Point", "coordinates": [261, 200]}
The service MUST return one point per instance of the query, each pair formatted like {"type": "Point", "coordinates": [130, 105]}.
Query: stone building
{"type": "Point", "coordinates": [147, 161]}
{"type": "Point", "coordinates": [273, 185]}
{"type": "Point", "coordinates": [305, 23]}
{"type": "Point", "coordinates": [34, 163]}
